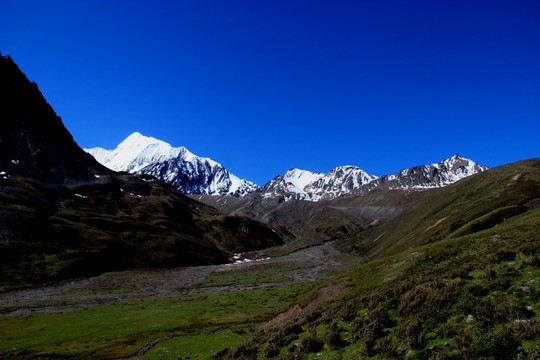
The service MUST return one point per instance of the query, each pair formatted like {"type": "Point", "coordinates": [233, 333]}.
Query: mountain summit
{"type": "Point", "coordinates": [306, 185]}
{"type": "Point", "coordinates": [174, 165]}
{"type": "Point", "coordinates": [298, 184]}
{"type": "Point", "coordinates": [440, 174]}
{"type": "Point", "coordinates": [139, 154]}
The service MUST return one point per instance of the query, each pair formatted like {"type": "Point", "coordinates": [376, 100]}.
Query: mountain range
{"type": "Point", "coordinates": [63, 214]}
{"type": "Point", "coordinates": [443, 269]}
{"type": "Point", "coordinates": [195, 175]}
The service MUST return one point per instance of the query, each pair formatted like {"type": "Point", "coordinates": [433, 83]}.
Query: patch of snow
{"type": "Point", "coordinates": [81, 196]}
{"type": "Point", "coordinates": [299, 179]}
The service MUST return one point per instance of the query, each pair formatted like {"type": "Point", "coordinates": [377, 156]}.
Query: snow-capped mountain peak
{"type": "Point", "coordinates": [174, 165]}
{"type": "Point", "coordinates": [196, 175]}
{"type": "Point", "coordinates": [435, 175]}
{"type": "Point", "coordinates": [306, 185]}
{"type": "Point", "coordinates": [347, 180]}
{"type": "Point", "coordinates": [352, 175]}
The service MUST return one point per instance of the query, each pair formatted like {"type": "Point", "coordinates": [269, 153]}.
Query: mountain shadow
{"type": "Point", "coordinates": [62, 214]}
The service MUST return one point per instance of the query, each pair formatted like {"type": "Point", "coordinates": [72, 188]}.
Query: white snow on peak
{"type": "Point", "coordinates": [306, 185]}
{"type": "Point", "coordinates": [174, 165]}
{"type": "Point", "coordinates": [440, 174]}
{"type": "Point", "coordinates": [300, 179]}
{"type": "Point", "coordinates": [345, 180]}
{"type": "Point", "coordinates": [138, 151]}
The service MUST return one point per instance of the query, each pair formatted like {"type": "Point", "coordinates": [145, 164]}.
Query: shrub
{"type": "Point", "coordinates": [387, 349]}
{"type": "Point", "coordinates": [245, 352]}
{"type": "Point", "coordinates": [502, 255]}
{"type": "Point", "coordinates": [356, 328]}
{"type": "Point", "coordinates": [292, 329]}
{"type": "Point", "coordinates": [310, 343]}
{"type": "Point", "coordinates": [347, 313]}
{"type": "Point", "coordinates": [412, 332]}
{"type": "Point", "coordinates": [412, 301]}
{"type": "Point", "coordinates": [222, 354]}
{"type": "Point", "coordinates": [381, 317]}
{"type": "Point", "coordinates": [461, 272]}
{"type": "Point", "coordinates": [272, 350]}
{"type": "Point", "coordinates": [332, 338]}
{"type": "Point", "coordinates": [368, 338]}
{"type": "Point", "coordinates": [533, 260]}
{"type": "Point", "coordinates": [281, 339]}
{"type": "Point", "coordinates": [463, 339]}
{"type": "Point", "coordinates": [494, 346]}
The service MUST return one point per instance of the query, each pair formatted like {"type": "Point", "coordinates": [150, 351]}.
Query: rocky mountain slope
{"type": "Point", "coordinates": [317, 207]}
{"type": "Point", "coordinates": [27, 120]}
{"type": "Point", "coordinates": [299, 184]}
{"type": "Point", "coordinates": [431, 176]}
{"type": "Point", "coordinates": [62, 214]}
{"type": "Point", "coordinates": [176, 166]}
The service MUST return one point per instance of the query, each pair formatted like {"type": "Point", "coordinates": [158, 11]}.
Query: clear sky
{"type": "Point", "coordinates": [265, 86]}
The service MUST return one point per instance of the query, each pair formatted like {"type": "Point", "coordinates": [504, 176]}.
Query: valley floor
{"type": "Point", "coordinates": [46, 320]}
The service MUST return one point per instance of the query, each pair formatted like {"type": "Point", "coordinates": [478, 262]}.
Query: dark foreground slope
{"type": "Point", "coordinates": [62, 214]}
{"type": "Point", "coordinates": [470, 290]}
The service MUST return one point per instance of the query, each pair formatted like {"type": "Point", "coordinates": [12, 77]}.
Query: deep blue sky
{"type": "Point", "coordinates": [264, 86]}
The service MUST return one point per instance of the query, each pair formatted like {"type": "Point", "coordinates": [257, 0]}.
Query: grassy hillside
{"type": "Point", "coordinates": [53, 231]}
{"type": "Point", "coordinates": [456, 276]}
{"type": "Point", "coordinates": [470, 205]}
{"type": "Point", "coordinates": [471, 297]}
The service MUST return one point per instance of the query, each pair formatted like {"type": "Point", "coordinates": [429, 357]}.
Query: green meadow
{"type": "Point", "coordinates": [197, 324]}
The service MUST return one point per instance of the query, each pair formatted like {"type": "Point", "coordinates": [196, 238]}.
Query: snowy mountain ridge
{"type": "Point", "coordinates": [431, 176]}
{"type": "Point", "coordinates": [196, 175]}
{"type": "Point", "coordinates": [298, 184]}
{"type": "Point", "coordinates": [306, 185]}
{"type": "Point", "coordinates": [174, 165]}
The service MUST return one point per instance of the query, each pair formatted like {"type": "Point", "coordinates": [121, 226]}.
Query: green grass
{"type": "Point", "coordinates": [472, 204]}
{"type": "Point", "coordinates": [415, 304]}
{"type": "Point", "coordinates": [56, 235]}
{"type": "Point", "coordinates": [120, 329]}
{"type": "Point", "coordinates": [258, 274]}
{"type": "Point", "coordinates": [198, 346]}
